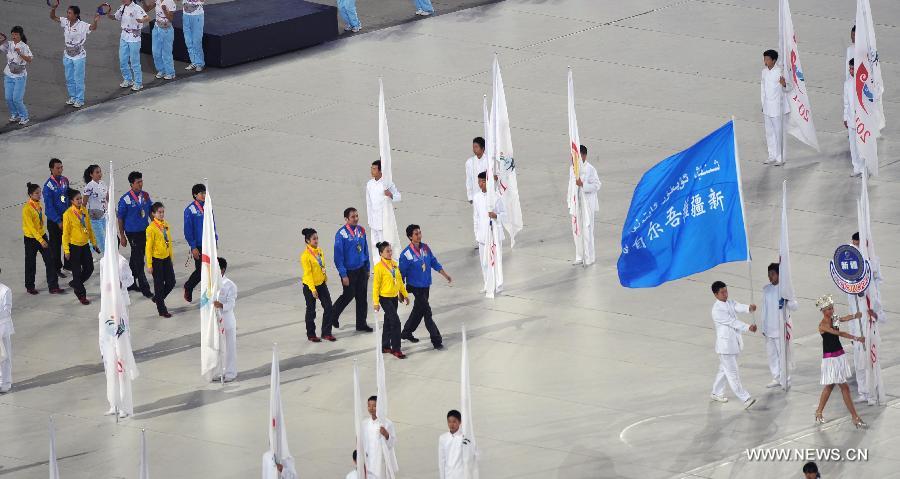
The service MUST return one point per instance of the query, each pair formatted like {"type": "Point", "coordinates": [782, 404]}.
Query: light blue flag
{"type": "Point", "coordinates": [686, 215]}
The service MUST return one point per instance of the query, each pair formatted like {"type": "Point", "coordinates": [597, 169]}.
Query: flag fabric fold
{"type": "Point", "coordinates": [800, 122]}
{"type": "Point", "coordinates": [357, 423]}
{"type": "Point", "coordinates": [114, 329]}
{"type": "Point", "coordinates": [575, 200]}
{"type": "Point", "coordinates": [874, 381]}
{"type": "Point", "coordinates": [786, 293]}
{"type": "Point", "coordinates": [391, 466]}
{"type": "Point", "coordinates": [868, 87]}
{"type": "Point", "coordinates": [493, 248]}
{"type": "Point", "coordinates": [279, 454]}
{"type": "Point", "coordinates": [508, 183]}
{"type": "Point", "coordinates": [212, 328]}
{"type": "Point", "coordinates": [470, 445]}
{"type": "Point", "coordinates": [388, 218]}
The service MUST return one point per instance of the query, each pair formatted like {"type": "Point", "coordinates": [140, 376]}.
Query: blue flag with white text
{"type": "Point", "coordinates": [686, 215]}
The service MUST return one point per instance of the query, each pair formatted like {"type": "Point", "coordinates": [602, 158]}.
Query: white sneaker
{"type": "Point", "coordinates": [198, 68]}
{"type": "Point", "coordinates": [13, 119]}
{"type": "Point", "coordinates": [773, 384]}
{"type": "Point", "coordinates": [356, 30]}
{"type": "Point", "coordinates": [125, 84]}
{"type": "Point", "coordinates": [768, 160]}
{"type": "Point", "coordinates": [169, 77]}
{"type": "Point", "coordinates": [348, 28]}
{"type": "Point", "coordinates": [70, 101]}
{"type": "Point", "coordinates": [717, 398]}
{"type": "Point", "coordinates": [122, 414]}
{"type": "Point", "coordinates": [137, 87]}
{"type": "Point", "coordinates": [159, 75]}
{"type": "Point", "coordinates": [422, 13]}
{"type": "Point", "coordinates": [24, 121]}
{"type": "Point", "coordinates": [861, 399]}
{"type": "Point", "coordinates": [111, 412]}
{"type": "Point", "coordinates": [5, 389]}
{"type": "Point", "coordinates": [778, 163]}
{"type": "Point", "coordinates": [78, 104]}
{"type": "Point", "coordinates": [190, 67]}
{"type": "Point", "coordinates": [872, 402]}
{"type": "Point", "coordinates": [577, 262]}
{"type": "Point", "coordinates": [419, 12]}
{"type": "Point", "coordinates": [749, 402]}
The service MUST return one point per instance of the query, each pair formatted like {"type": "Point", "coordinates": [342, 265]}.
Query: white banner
{"type": "Point", "coordinates": [800, 123]}
{"type": "Point", "coordinates": [508, 186]}
{"type": "Point", "coordinates": [212, 328]}
{"type": "Point", "coordinates": [867, 69]}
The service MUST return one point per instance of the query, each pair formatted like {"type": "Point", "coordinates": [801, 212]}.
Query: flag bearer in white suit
{"type": "Point", "coordinates": [856, 327]}
{"type": "Point", "coordinates": [851, 49]}
{"type": "Point", "coordinates": [353, 474]}
{"type": "Point", "coordinates": [376, 190]}
{"type": "Point", "coordinates": [379, 440]}
{"type": "Point", "coordinates": [225, 303]}
{"type": "Point", "coordinates": [6, 330]}
{"type": "Point", "coordinates": [452, 447]}
{"type": "Point", "coordinates": [589, 182]}
{"type": "Point", "coordinates": [859, 165]}
{"type": "Point", "coordinates": [474, 165]}
{"type": "Point", "coordinates": [772, 322]}
{"type": "Point", "coordinates": [775, 106]}
{"type": "Point", "coordinates": [483, 217]}
{"type": "Point", "coordinates": [729, 344]}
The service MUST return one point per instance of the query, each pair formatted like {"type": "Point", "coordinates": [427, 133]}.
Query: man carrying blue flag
{"type": "Point", "coordinates": [729, 344]}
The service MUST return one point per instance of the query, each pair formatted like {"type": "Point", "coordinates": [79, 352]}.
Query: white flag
{"type": "Point", "coordinates": [357, 422]}
{"type": "Point", "coordinates": [874, 380]}
{"type": "Point", "coordinates": [115, 332]}
{"type": "Point", "coordinates": [212, 328]}
{"type": "Point", "coordinates": [144, 467]}
{"type": "Point", "coordinates": [868, 88]}
{"type": "Point", "coordinates": [579, 209]}
{"type": "Point", "coordinates": [800, 123]}
{"type": "Point", "coordinates": [54, 468]}
{"type": "Point", "coordinates": [508, 186]}
{"type": "Point", "coordinates": [388, 219]}
{"type": "Point", "coordinates": [786, 293]}
{"type": "Point", "coordinates": [493, 248]}
{"type": "Point", "coordinates": [470, 445]}
{"type": "Point", "coordinates": [278, 454]}
{"type": "Point", "coordinates": [391, 466]}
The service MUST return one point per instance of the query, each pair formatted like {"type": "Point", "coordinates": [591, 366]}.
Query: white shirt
{"type": "Point", "coordinates": [162, 21]}
{"type": "Point", "coordinates": [849, 103]}
{"type": "Point", "coordinates": [474, 165]}
{"type": "Point", "coordinates": [771, 311]}
{"type": "Point", "coordinates": [192, 7]}
{"type": "Point", "coordinates": [372, 442]}
{"type": "Point", "coordinates": [450, 456]}
{"type": "Point", "coordinates": [131, 28]}
{"type": "Point", "coordinates": [590, 184]}
{"type": "Point", "coordinates": [375, 201]}
{"type": "Point", "coordinates": [728, 327]}
{"type": "Point", "coordinates": [75, 36]}
{"type": "Point", "coordinates": [97, 195]}
{"type": "Point", "coordinates": [12, 57]}
{"type": "Point", "coordinates": [482, 221]}
{"type": "Point", "coordinates": [774, 102]}
{"type": "Point", "coordinates": [352, 475]}
{"type": "Point", "coordinates": [851, 53]}
{"type": "Point", "coordinates": [228, 297]}
{"type": "Point", "coordinates": [5, 309]}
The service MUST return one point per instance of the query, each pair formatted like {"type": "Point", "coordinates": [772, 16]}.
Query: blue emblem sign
{"type": "Point", "coordinates": [850, 271]}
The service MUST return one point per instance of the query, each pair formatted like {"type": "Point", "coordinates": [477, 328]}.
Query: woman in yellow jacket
{"type": "Point", "coordinates": [159, 257]}
{"type": "Point", "coordinates": [388, 290]}
{"type": "Point", "coordinates": [36, 242]}
{"type": "Point", "coordinates": [315, 286]}
{"type": "Point", "coordinates": [77, 238]}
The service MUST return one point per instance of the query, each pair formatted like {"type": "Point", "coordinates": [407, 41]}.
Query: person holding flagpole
{"type": "Point", "coordinates": [315, 287]}
{"type": "Point", "coordinates": [474, 165]}
{"type": "Point", "coordinates": [379, 439]}
{"type": "Point", "coordinates": [159, 257]}
{"type": "Point", "coordinates": [858, 164]}
{"type": "Point", "coordinates": [6, 331]}
{"type": "Point", "coordinates": [729, 344]}
{"type": "Point", "coordinates": [36, 242]}
{"type": "Point", "coordinates": [388, 290]}
{"type": "Point", "coordinates": [772, 322]}
{"type": "Point", "coordinates": [589, 183]}
{"type": "Point", "coordinates": [452, 445]}
{"type": "Point", "coordinates": [78, 239]}
{"type": "Point", "coordinates": [376, 191]}
{"type": "Point", "coordinates": [277, 462]}
{"type": "Point", "coordinates": [225, 302]}
{"type": "Point", "coordinates": [835, 368]}
{"type": "Point", "coordinates": [484, 216]}
{"type": "Point", "coordinates": [772, 91]}
{"type": "Point", "coordinates": [855, 328]}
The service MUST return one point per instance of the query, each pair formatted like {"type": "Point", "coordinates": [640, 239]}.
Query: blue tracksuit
{"type": "Point", "coordinates": [56, 198]}
{"type": "Point", "coordinates": [129, 210]}
{"type": "Point", "coordinates": [416, 268]}
{"type": "Point", "coordinates": [351, 249]}
{"type": "Point", "coordinates": [193, 225]}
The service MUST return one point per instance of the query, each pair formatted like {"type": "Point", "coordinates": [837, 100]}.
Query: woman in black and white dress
{"type": "Point", "coordinates": [835, 367]}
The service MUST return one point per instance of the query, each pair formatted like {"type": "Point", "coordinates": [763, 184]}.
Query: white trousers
{"type": "Point", "coordinates": [859, 364]}
{"type": "Point", "coordinates": [728, 370]}
{"type": "Point", "coordinates": [855, 161]}
{"type": "Point", "coordinates": [230, 353]}
{"type": "Point", "coordinates": [773, 348]}
{"type": "Point", "coordinates": [6, 363]}
{"type": "Point", "coordinates": [589, 255]}
{"type": "Point", "coordinates": [484, 264]}
{"type": "Point", "coordinates": [775, 136]}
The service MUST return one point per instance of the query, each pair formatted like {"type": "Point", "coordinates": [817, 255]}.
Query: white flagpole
{"type": "Point", "coordinates": [737, 166]}
{"type": "Point", "coordinates": [54, 467]}
{"type": "Point", "coordinates": [144, 472]}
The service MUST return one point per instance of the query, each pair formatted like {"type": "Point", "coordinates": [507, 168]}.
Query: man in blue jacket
{"type": "Point", "coordinates": [416, 262]}
{"type": "Point", "coordinates": [133, 213]}
{"type": "Point", "coordinates": [193, 234]}
{"type": "Point", "coordinates": [351, 258]}
{"type": "Point", "coordinates": [55, 204]}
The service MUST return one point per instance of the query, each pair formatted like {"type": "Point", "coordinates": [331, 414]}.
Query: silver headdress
{"type": "Point", "coordinates": [824, 302]}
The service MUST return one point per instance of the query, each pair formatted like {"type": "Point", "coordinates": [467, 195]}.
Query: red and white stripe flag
{"type": "Point", "coordinates": [212, 329]}
{"type": "Point", "coordinates": [579, 209]}
{"type": "Point", "coordinates": [869, 117]}
{"type": "Point", "coordinates": [873, 298]}
{"type": "Point", "coordinates": [277, 462]}
{"type": "Point", "coordinates": [800, 123]}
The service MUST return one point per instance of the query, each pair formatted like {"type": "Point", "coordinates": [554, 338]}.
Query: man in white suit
{"type": "Point", "coordinates": [772, 89]}
{"type": "Point", "coordinates": [589, 182]}
{"type": "Point", "coordinates": [772, 321]}
{"type": "Point", "coordinates": [729, 344]}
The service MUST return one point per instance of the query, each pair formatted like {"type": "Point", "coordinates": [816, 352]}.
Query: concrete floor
{"type": "Point", "coordinates": [573, 376]}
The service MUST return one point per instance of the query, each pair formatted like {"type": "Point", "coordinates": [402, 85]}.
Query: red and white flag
{"type": "Point", "coordinates": [212, 327]}
{"type": "Point", "coordinates": [579, 209]}
{"type": "Point", "coordinates": [277, 462]}
{"type": "Point", "coordinates": [869, 117]}
{"type": "Point", "coordinates": [873, 297]}
{"type": "Point", "coordinates": [493, 248]}
{"type": "Point", "coordinates": [786, 293]}
{"type": "Point", "coordinates": [470, 445]}
{"type": "Point", "coordinates": [800, 123]}
{"type": "Point", "coordinates": [508, 183]}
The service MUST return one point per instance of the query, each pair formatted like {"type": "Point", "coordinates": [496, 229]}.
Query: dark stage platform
{"type": "Point", "coordinates": [246, 30]}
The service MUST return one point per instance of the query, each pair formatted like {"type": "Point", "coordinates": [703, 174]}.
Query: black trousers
{"type": "Point", "coordinates": [194, 279]}
{"type": "Point", "coordinates": [163, 282]}
{"type": "Point", "coordinates": [55, 241]}
{"type": "Point", "coordinates": [390, 335]}
{"type": "Point", "coordinates": [328, 314]}
{"type": "Point", "coordinates": [421, 309]}
{"type": "Point", "coordinates": [82, 263]}
{"type": "Point", "coordinates": [138, 242]}
{"type": "Point", "coordinates": [32, 248]}
{"type": "Point", "coordinates": [359, 280]}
